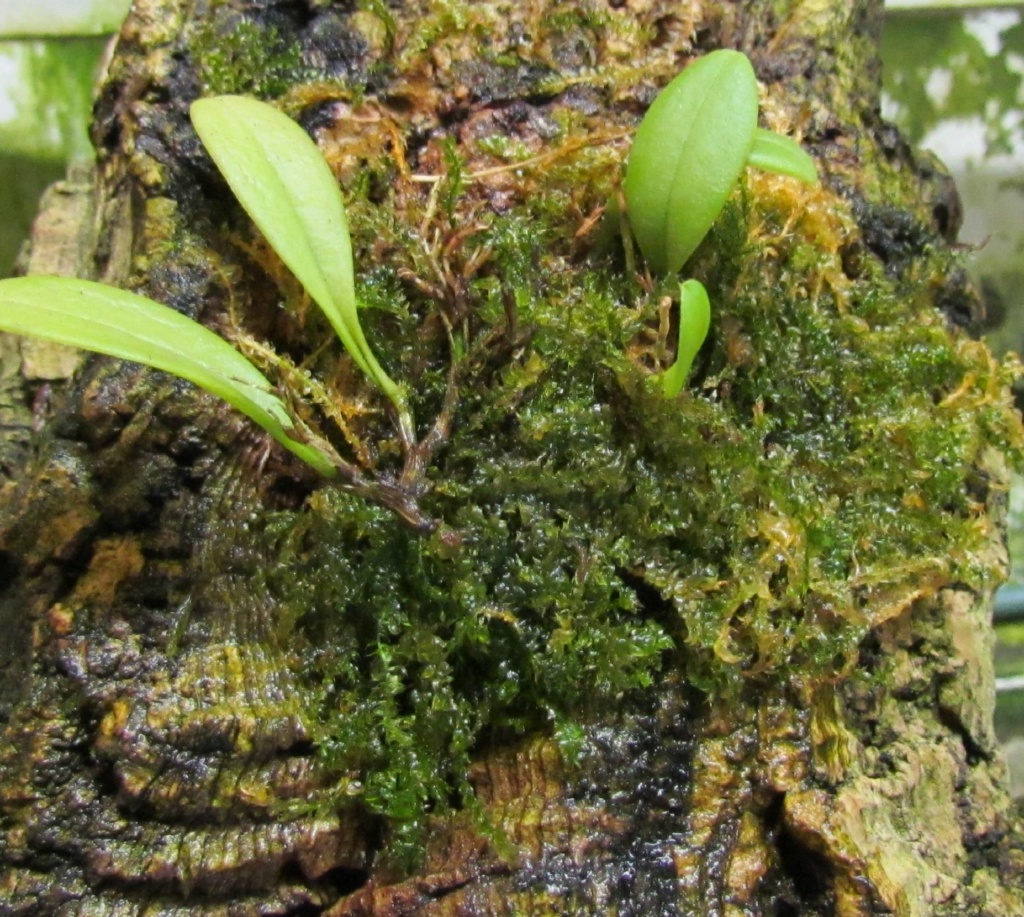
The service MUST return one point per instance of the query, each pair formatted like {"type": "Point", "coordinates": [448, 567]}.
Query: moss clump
{"type": "Point", "coordinates": [236, 55]}
{"type": "Point", "coordinates": [816, 478]}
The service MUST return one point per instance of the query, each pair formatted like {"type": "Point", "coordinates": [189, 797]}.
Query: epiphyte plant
{"type": "Point", "coordinates": [688, 154]}
{"type": "Point", "coordinates": [279, 176]}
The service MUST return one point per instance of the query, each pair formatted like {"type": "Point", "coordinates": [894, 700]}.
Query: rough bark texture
{"type": "Point", "coordinates": [768, 731]}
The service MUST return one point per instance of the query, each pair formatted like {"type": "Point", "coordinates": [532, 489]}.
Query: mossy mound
{"type": "Point", "coordinates": [815, 478]}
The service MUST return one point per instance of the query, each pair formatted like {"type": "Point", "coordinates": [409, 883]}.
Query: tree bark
{"type": "Point", "coordinates": [725, 655]}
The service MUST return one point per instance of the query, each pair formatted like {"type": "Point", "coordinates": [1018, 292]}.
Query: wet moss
{"type": "Point", "coordinates": [593, 538]}
{"type": "Point", "coordinates": [234, 54]}
{"type": "Point", "coordinates": [815, 478]}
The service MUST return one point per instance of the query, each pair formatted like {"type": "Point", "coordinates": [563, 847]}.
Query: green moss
{"type": "Point", "coordinates": [442, 21]}
{"type": "Point", "coordinates": [597, 537]}
{"type": "Point", "coordinates": [238, 56]}
{"type": "Point", "coordinates": [816, 477]}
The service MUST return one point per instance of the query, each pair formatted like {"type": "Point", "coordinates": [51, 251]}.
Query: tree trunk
{"type": "Point", "coordinates": [725, 654]}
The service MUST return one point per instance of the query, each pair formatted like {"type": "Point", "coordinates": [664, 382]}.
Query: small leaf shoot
{"type": "Point", "coordinates": [107, 320]}
{"type": "Point", "coordinates": [694, 322]}
{"type": "Point", "coordinates": [777, 153]}
{"type": "Point", "coordinates": [688, 154]}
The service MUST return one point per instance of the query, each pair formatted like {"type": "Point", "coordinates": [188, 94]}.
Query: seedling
{"type": "Point", "coordinates": [278, 175]}
{"type": "Point", "coordinates": [688, 154]}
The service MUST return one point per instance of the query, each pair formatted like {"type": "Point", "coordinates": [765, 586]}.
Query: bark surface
{"type": "Point", "coordinates": [601, 653]}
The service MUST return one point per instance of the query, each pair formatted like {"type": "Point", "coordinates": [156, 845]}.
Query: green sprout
{"type": "Point", "coordinates": [279, 176]}
{"type": "Point", "coordinates": [693, 144]}
{"type": "Point", "coordinates": [694, 321]}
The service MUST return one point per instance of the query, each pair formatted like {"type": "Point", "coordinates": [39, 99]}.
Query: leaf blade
{"type": "Point", "coordinates": [286, 187]}
{"type": "Point", "coordinates": [782, 155]}
{"type": "Point", "coordinates": [688, 154]}
{"type": "Point", "coordinates": [120, 324]}
{"type": "Point", "coordinates": [694, 322]}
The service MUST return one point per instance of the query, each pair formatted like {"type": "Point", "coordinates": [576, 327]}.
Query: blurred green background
{"type": "Point", "coordinates": [50, 54]}
{"type": "Point", "coordinates": [954, 82]}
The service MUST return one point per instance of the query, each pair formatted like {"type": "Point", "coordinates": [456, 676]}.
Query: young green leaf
{"type": "Point", "coordinates": [120, 324]}
{"type": "Point", "coordinates": [777, 153]}
{"type": "Point", "coordinates": [694, 321]}
{"type": "Point", "coordinates": [687, 156]}
{"type": "Point", "coordinates": [282, 181]}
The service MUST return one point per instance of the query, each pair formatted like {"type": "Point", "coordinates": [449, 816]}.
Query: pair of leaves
{"type": "Point", "coordinates": [689, 151]}
{"type": "Point", "coordinates": [286, 187]}
{"type": "Point", "coordinates": [698, 136]}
